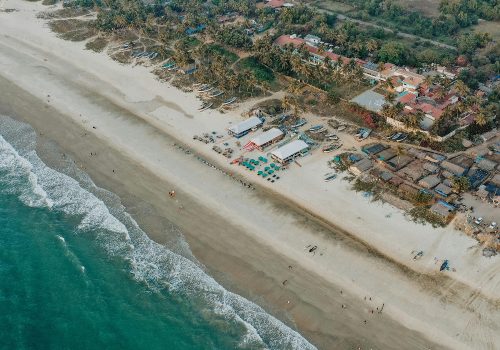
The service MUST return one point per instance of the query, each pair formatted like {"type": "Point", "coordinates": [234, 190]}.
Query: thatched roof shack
{"type": "Point", "coordinates": [361, 166]}
{"type": "Point", "coordinates": [399, 162]}
{"type": "Point", "coordinates": [453, 168]}
{"type": "Point", "coordinates": [430, 181]}
{"type": "Point", "coordinates": [443, 190]}
{"type": "Point", "coordinates": [442, 209]}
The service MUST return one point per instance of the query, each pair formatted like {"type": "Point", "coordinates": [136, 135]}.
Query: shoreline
{"type": "Point", "coordinates": [198, 242]}
{"type": "Point", "coordinates": [232, 272]}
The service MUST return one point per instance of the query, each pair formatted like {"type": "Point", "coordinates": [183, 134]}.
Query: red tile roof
{"type": "Point", "coordinates": [297, 42]}
{"type": "Point", "coordinates": [407, 98]}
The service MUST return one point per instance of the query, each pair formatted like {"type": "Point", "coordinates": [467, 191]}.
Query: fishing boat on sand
{"type": "Point", "coordinates": [330, 148]}
{"type": "Point", "coordinates": [300, 123]}
{"type": "Point", "coordinates": [229, 101]}
{"type": "Point", "coordinates": [205, 88]}
{"type": "Point", "coordinates": [316, 127]}
{"type": "Point", "coordinates": [216, 93]}
{"type": "Point", "coordinates": [331, 177]}
{"type": "Point", "coordinates": [205, 106]}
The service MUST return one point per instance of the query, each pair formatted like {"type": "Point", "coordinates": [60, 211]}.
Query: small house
{"type": "Point", "coordinates": [443, 190]}
{"type": "Point", "coordinates": [361, 166]}
{"type": "Point", "coordinates": [430, 181]}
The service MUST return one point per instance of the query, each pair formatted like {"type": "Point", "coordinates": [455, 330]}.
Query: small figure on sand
{"type": "Point", "coordinates": [284, 282]}
{"type": "Point", "coordinates": [171, 193]}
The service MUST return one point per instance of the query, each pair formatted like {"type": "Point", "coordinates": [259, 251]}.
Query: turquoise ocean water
{"type": "Point", "coordinates": [76, 272]}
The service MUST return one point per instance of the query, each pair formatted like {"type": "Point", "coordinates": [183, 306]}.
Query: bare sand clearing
{"type": "Point", "coordinates": [248, 239]}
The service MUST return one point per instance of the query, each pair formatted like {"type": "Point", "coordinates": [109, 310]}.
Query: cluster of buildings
{"type": "Point", "coordinates": [311, 44]}
{"type": "Point", "coordinates": [415, 172]}
{"type": "Point", "coordinates": [283, 154]}
{"type": "Point", "coordinates": [410, 87]}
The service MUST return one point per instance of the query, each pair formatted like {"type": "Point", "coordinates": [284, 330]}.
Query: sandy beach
{"type": "Point", "coordinates": [251, 241]}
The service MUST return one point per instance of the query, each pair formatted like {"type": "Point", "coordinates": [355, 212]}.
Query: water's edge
{"type": "Point", "coordinates": [72, 192]}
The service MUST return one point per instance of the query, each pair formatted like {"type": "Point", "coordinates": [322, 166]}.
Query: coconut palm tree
{"type": "Point", "coordinates": [390, 97]}
{"type": "Point", "coordinates": [462, 89]}
{"type": "Point", "coordinates": [481, 119]}
{"type": "Point", "coordinates": [372, 45]}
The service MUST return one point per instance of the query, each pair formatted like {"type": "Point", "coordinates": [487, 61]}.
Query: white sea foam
{"type": "Point", "coordinates": [18, 177]}
{"type": "Point", "coordinates": [150, 263]}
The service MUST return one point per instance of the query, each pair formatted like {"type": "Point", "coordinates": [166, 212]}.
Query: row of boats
{"type": "Point", "coordinates": [145, 54]}
{"type": "Point", "coordinates": [212, 92]}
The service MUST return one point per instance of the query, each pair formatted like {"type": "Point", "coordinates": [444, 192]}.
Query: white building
{"type": "Point", "coordinates": [265, 139]}
{"type": "Point", "coordinates": [290, 151]}
{"type": "Point", "coordinates": [244, 127]}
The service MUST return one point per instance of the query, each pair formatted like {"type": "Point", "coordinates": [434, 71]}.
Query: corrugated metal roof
{"type": "Point", "coordinates": [267, 136]}
{"type": "Point", "coordinates": [290, 149]}
{"type": "Point", "coordinates": [245, 125]}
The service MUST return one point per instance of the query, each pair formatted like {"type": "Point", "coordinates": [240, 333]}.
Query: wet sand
{"type": "Point", "coordinates": [246, 238]}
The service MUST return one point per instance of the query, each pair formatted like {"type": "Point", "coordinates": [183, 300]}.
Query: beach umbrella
{"type": "Point", "coordinates": [270, 172]}
{"type": "Point", "coordinates": [267, 168]}
{"type": "Point", "coordinates": [259, 172]}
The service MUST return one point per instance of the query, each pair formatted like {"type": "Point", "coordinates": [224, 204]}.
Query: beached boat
{"type": "Point", "coordinates": [205, 88]}
{"type": "Point", "coordinates": [341, 127]}
{"type": "Point", "coordinates": [216, 93]}
{"type": "Point", "coordinates": [300, 123]}
{"type": "Point", "coordinates": [317, 131]}
{"type": "Point", "coordinates": [316, 127]}
{"type": "Point", "coordinates": [205, 106]}
{"type": "Point", "coordinates": [328, 149]}
{"type": "Point", "coordinates": [331, 148]}
{"type": "Point", "coordinates": [331, 177]}
{"type": "Point", "coordinates": [229, 101]}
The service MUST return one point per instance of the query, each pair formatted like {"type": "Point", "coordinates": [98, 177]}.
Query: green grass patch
{"type": "Point", "coordinates": [191, 42]}
{"type": "Point", "coordinates": [219, 50]}
{"type": "Point", "coordinates": [333, 6]}
{"type": "Point", "coordinates": [261, 72]}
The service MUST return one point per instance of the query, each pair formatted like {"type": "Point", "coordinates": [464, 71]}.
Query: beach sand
{"type": "Point", "coordinates": [247, 238]}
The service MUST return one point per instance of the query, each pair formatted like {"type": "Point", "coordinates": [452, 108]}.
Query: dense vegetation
{"type": "Point", "coordinates": [191, 31]}
{"type": "Point", "coordinates": [453, 15]}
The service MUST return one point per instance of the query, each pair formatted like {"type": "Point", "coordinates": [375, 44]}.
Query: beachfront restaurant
{"type": "Point", "coordinates": [265, 139]}
{"type": "Point", "coordinates": [244, 127]}
{"type": "Point", "coordinates": [290, 151]}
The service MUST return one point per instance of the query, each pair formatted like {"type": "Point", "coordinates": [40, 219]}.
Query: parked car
{"type": "Point", "coordinates": [493, 225]}
{"type": "Point", "coordinates": [478, 221]}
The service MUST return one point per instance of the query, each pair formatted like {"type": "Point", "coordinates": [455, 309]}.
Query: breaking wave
{"type": "Point", "coordinates": [102, 218]}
